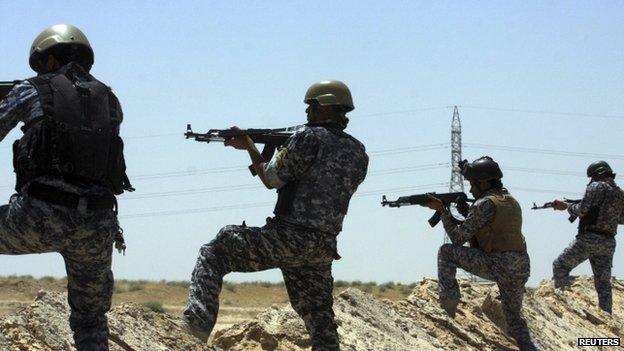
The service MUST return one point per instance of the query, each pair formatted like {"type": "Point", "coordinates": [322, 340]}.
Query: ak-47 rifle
{"type": "Point", "coordinates": [550, 205]}
{"type": "Point", "coordinates": [271, 138]}
{"type": "Point", "coordinates": [5, 87]}
{"type": "Point", "coordinates": [421, 199]}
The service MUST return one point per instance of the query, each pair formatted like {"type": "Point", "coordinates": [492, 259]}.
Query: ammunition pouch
{"type": "Point", "coordinates": [285, 198]}
{"type": "Point", "coordinates": [590, 219]}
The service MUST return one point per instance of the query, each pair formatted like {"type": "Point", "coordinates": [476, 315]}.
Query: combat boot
{"type": "Point", "coordinates": [450, 306]}
{"type": "Point", "coordinates": [185, 325]}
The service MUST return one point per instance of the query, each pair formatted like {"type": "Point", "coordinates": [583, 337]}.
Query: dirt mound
{"type": "Point", "coordinates": [417, 323]}
{"type": "Point", "coordinates": [365, 323]}
{"type": "Point", "coordinates": [44, 326]}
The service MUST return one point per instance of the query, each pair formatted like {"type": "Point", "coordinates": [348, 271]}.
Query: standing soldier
{"type": "Point", "coordinates": [316, 172]}
{"type": "Point", "coordinates": [69, 165]}
{"type": "Point", "coordinates": [493, 226]}
{"type": "Point", "coordinates": [600, 212]}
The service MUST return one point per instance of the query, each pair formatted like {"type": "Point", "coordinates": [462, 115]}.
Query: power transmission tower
{"type": "Point", "coordinates": [457, 180]}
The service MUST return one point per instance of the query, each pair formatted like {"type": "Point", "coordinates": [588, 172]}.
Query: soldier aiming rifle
{"type": "Point", "coordinates": [493, 226]}
{"type": "Point", "coordinates": [316, 172]}
{"type": "Point", "coordinates": [600, 211]}
{"type": "Point", "coordinates": [272, 139]}
{"type": "Point", "coordinates": [459, 198]}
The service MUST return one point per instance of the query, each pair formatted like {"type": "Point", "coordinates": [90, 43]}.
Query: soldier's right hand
{"type": "Point", "coordinates": [242, 142]}
{"type": "Point", "coordinates": [462, 206]}
{"type": "Point", "coordinates": [560, 205]}
{"type": "Point", "coordinates": [434, 203]}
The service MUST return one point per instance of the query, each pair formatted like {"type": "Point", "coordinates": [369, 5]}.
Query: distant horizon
{"type": "Point", "coordinates": [337, 282]}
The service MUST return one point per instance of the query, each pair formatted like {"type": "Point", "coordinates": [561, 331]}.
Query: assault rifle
{"type": "Point", "coordinates": [271, 138]}
{"type": "Point", "coordinates": [550, 205]}
{"type": "Point", "coordinates": [5, 87]}
{"type": "Point", "coordinates": [421, 199]}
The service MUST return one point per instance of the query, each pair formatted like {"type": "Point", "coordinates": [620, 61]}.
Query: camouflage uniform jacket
{"type": "Point", "coordinates": [328, 167]}
{"type": "Point", "coordinates": [604, 200]}
{"type": "Point", "coordinates": [22, 104]}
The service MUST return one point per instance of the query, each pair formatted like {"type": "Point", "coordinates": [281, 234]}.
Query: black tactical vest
{"type": "Point", "coordinates": [78, 135]}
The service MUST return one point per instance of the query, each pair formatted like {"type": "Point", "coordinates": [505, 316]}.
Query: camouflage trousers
{"type": "Point", "coordinates": [599, 249]}
{"type": "Point", "coordinates": [304, 257]}
{"type": "Point", "coordinates": [85, 240]}
{"type": "Point", "coordinates": [510, 271]}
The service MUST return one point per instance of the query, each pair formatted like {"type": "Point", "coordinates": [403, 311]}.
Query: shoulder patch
{"type": "Point", "coordinates": [279, 158]}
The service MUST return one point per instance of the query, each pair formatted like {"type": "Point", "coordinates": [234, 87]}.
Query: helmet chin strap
{"type": "Point", "coordinates": [481, 190]}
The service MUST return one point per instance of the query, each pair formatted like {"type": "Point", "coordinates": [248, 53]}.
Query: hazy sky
{"type": "Point", "coordinates": [539, 85]}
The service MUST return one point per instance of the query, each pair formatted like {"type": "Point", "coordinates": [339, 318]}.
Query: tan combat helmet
{"type": "Point", "coordinates": [330, 92]}
{"type": "Point", "coordinates": [59, 34]}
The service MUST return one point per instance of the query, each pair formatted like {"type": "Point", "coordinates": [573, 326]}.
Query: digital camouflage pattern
{"type": "Point", "coordinates": [599, 249]}
{"type": "Point", "coordinates": [20, 105]}
{"type": "Point", "coordinates": [329, 167]}
{"type": "Point", "coordinates": [510, 270]}
{"type": "Point", "coordinates": [594, 242]}
{"type": "Point", "coordinates": [609, 199]}
{"type": "Point", "coordinates": [85, 240]}
{"type": "Point", "coordinates": [304, 256]}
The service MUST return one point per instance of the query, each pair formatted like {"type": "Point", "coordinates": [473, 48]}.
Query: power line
{"type": "Point", "coordinates": [402, 150]}
{"type": "Point", "coordinates": [400, 112]}
{"type": "Point", "coordinates": [429, 187]}
{"type": "Point", "coordinates": [543, 151]}
{"type": "Point", "coordinates": [266, 204]}
{"type": "Point", "coordinates": [545, 171]}
{"type": "Point", "coordinates": [147, 136]}
{"type": "Point", "coordinates": [544, 112]}
{"type": "Point", "coordinates": [188, 172]}
{"type": "Point", "coordinates": [408, 169]}
{"type": "Point", "coordinates": [195, 191]}
{"type": "Point", "coordinates": [546, 191]}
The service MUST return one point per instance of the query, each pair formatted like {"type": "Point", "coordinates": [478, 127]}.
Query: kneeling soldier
{"type": "Point", "coordinates": [498, 250]}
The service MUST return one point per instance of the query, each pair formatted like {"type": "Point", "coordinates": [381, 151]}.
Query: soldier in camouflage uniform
{"type": "Point", "coordinates": [498, 250]}
{"type": "Point", "coordinates": [316, 172]}
{"type": "Point", "coordinates": [600, 212]}
{"type": "Point", "coordinates": [69, 165]}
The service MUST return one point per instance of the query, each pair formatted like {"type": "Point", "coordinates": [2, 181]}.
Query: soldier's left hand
{"type": "Point", "coordinates": [434, 203]}
{"type": "Point", "coordinates": [560, 205]}
{"type": "Point", "coordinates": [242, 142]}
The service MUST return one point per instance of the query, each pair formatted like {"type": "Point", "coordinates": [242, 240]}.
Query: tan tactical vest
{"type": "Point", "coordinates": [504, 233]}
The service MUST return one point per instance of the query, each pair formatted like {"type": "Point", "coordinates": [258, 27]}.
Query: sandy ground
{"type": "Point", "coordinates": [145, 317]}
{"type": "Point", "coordinates": [239, 301]}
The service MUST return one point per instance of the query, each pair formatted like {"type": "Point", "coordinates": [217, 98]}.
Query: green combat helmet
{"type": "Point", "coordinates": [599, 168]}
{"type": "Point", "coordinates": [330, 92]}
{"type": "Point", "coordinates": [57, 35]}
